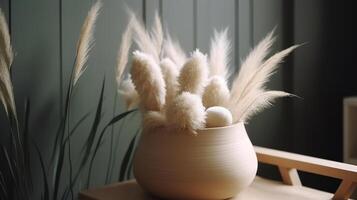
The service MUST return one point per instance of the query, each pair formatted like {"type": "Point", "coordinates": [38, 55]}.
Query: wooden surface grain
{"type": "Point", "coordinates": [260, 189]}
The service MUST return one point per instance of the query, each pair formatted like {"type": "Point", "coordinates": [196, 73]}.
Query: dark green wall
{"type": "Point", "coordinates": [44, 35]}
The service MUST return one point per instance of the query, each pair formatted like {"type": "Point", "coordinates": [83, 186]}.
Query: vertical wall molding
{"type": "Point", "coordinates": [195, 26]}
{"type": "Point", "coordinates": [288, 68]}
{"type": "Point", "coordinates": [251, 22]}
{"type": "Point", "coordinates": [61, 59]}
{"type": "Point", "coordinates": [244, 25]}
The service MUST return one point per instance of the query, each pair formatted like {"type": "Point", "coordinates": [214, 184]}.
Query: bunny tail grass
{"type": "Point", "coordinates": [257, 103]}
{"type": "Point", "coordinates": [170, 73]}
{"type": "Point", "coordinates": [127, 90]}
{"type": "Point", "coordinates": [186, 112]}
{"type": "Point", "coordinates": [149, 82]}
{"type": "Point", "coordinates": [251, 65]}
{"type": "Point", "coordinates": [123, 53]}
{"type": "Point", "coordinates": [216, 93]}
{"type": "Point", "coordinates": [219, 54]}
{"type": "Point", "coordinates": [154, 119]}
{"type": "Point", "coordinates": [85, 41]}
{"type": "Point", "coordinates": [5, 41]}
{"type": "Point", "coordinates": [194, 73]}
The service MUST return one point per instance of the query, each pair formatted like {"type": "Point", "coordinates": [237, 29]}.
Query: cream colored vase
{"type": "Point", "coordinates": [217, 163]}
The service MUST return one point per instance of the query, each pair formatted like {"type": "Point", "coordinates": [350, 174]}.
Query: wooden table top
{"type": "Point", "coordinates": [260, 189]}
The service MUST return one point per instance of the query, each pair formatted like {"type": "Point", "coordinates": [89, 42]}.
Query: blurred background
{"type": "Point", "coordinates": [322, 72]}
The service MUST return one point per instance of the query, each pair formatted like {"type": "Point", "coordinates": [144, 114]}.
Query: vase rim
{"type": "Point", "coordinates": [222, 127]}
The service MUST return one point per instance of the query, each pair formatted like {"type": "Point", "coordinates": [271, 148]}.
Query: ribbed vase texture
{"type": "Point", "coordinates": [217, 163]}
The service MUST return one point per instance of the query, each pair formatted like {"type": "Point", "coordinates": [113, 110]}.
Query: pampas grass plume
{"type": "Point", "coordinates": [186, 112]}
{"type": "Point", "coordinates": [5, 42]}
{"type": "Point", "coordinates": [219, 54]}
{"type": "Point", "coordinates": [6, 91]}
{"type": "Point", "coordinates": [143, 39]}
{"type": "Point", "coordinates": [6, 57]}
{"type": "Point", "coordinates": [123, 53]}
{"type": "Point", "coordinates": [173, 50]}
{"type": "Point", "coordinates": [148, 80]}
{"type": "Point", "coordinates": [216, 93]}
{"type": "Point", "coordinates": [170, 73]}
{"type": "Point", "coordinates": [193, 75]}
{"type": "Point", "coordinates": [257, 103]}
{"type": "Point", "coordinates": [157, 34]}
{"type": "Point", "coordinates": [85, 41]}
{"type": "Point", "coordinates": [250, 65]}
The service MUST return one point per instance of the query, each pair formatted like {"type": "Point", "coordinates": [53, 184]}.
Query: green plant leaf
{"type": "Point", "coordinates": [120, 116]}
{"type": "Point", "coordinates": [114, 120]}
{"type": "Point", "coordinates": [46, 194]}
{"type": "Point", "coordinates": [26, 144]}
{"type": "Point", "coordinates": [76, 126]}
{"type": "Point", "coordinates": [3, 184]}
{"type": "Point", "coordinates": [126, 159]}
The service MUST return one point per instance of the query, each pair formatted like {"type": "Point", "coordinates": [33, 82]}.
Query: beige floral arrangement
{"type": "Point", "coordinates": [170, 88]}
{"type": "Point", "coordinates": [192, 92]}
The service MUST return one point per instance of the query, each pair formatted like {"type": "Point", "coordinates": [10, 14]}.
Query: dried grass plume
{"type": "Point", "coordinates": [248, 94]}
{"type": "Point", "coordinates": [6, 91]}
{"type": "Point", "coordinates": [154, 119]}
{"type": "Point", "coordinates": [186, 112]}
{"type": "Point", "coordinates": [250, 65]}
{"type": "Point", "coordinates": [127, 90]}
{"type": "Point", "coordinates": [123, 53]}
{"type": "Point", "coordinates": [173, 50]}
{"type": "Point", "coordinates": [216, 93]}
{"type": "Point", "coordinates": [170, 73]}
{"type": "Point", "coordinates": [194, 73]}
{"type": "Point", "coordinates": [148, 80]}
{"type": "Point", "coordinates": [219, 54]}
{"type": "Point", "coordinates": [85, 41]}
{"type": "Point", "coordinates": [5, 42]}
{"type": "Point", "coordinates": [143, 39]}
{"type": "Point", "coordinates": [256, 103]}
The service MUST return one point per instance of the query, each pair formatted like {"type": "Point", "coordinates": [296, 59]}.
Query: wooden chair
{"type": "Point", "coordinates": [290, 188]}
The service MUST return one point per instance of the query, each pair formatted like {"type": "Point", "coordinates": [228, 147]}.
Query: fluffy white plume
{"type": "Point", "coordinates": [6, 57]}
{"type": "Point", "coordinates": [194, 73]}
{"type": "Point", "coordinates": [127, 90]}
{"type": "Point", "coordinates": [148, 80]}
{"type": "Point", "coordinates": [6, 91]}
{"type": "Point", "coordinates": [85, 41]}
{"type": "Point", "coordinates": [255, 86]}
{"type": "Point", "coordinates": [251, 65]}
{"type": "Point", "coordinates": [157, 35]}
{"type": "Point", "coordinates": [263, 74]}
{"type": "Point", "coordinates": [173, 50]}
{"type": "Point", "coordinates": [154, 119]}
{"type": "Point", "coordinates": [123, 53]}
{"type": "Point", "coordinates": [170, 73]}
{"type": "Point", "coordinates": [142, 38]}
{"type": "Point", "coordinates": [219, 54]}
{"type": "Point", "coordinates": [186, 112]}
{"type": "Point", "coordinates": [257, 103]}
{"type": "Point", "coordinates": [216, 93]}
{"type": "Point", "coordinates": [5, 43]}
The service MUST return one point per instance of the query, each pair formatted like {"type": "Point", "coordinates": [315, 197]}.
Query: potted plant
{"type": "Point", "coordinates": [194, 144]}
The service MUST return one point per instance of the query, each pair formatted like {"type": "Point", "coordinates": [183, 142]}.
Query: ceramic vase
{"type": "Point", "coordinates": [217, 163]}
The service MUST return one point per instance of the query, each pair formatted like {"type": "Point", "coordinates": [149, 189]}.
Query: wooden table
{"type": "Point", "coordinates": [261, 189]}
